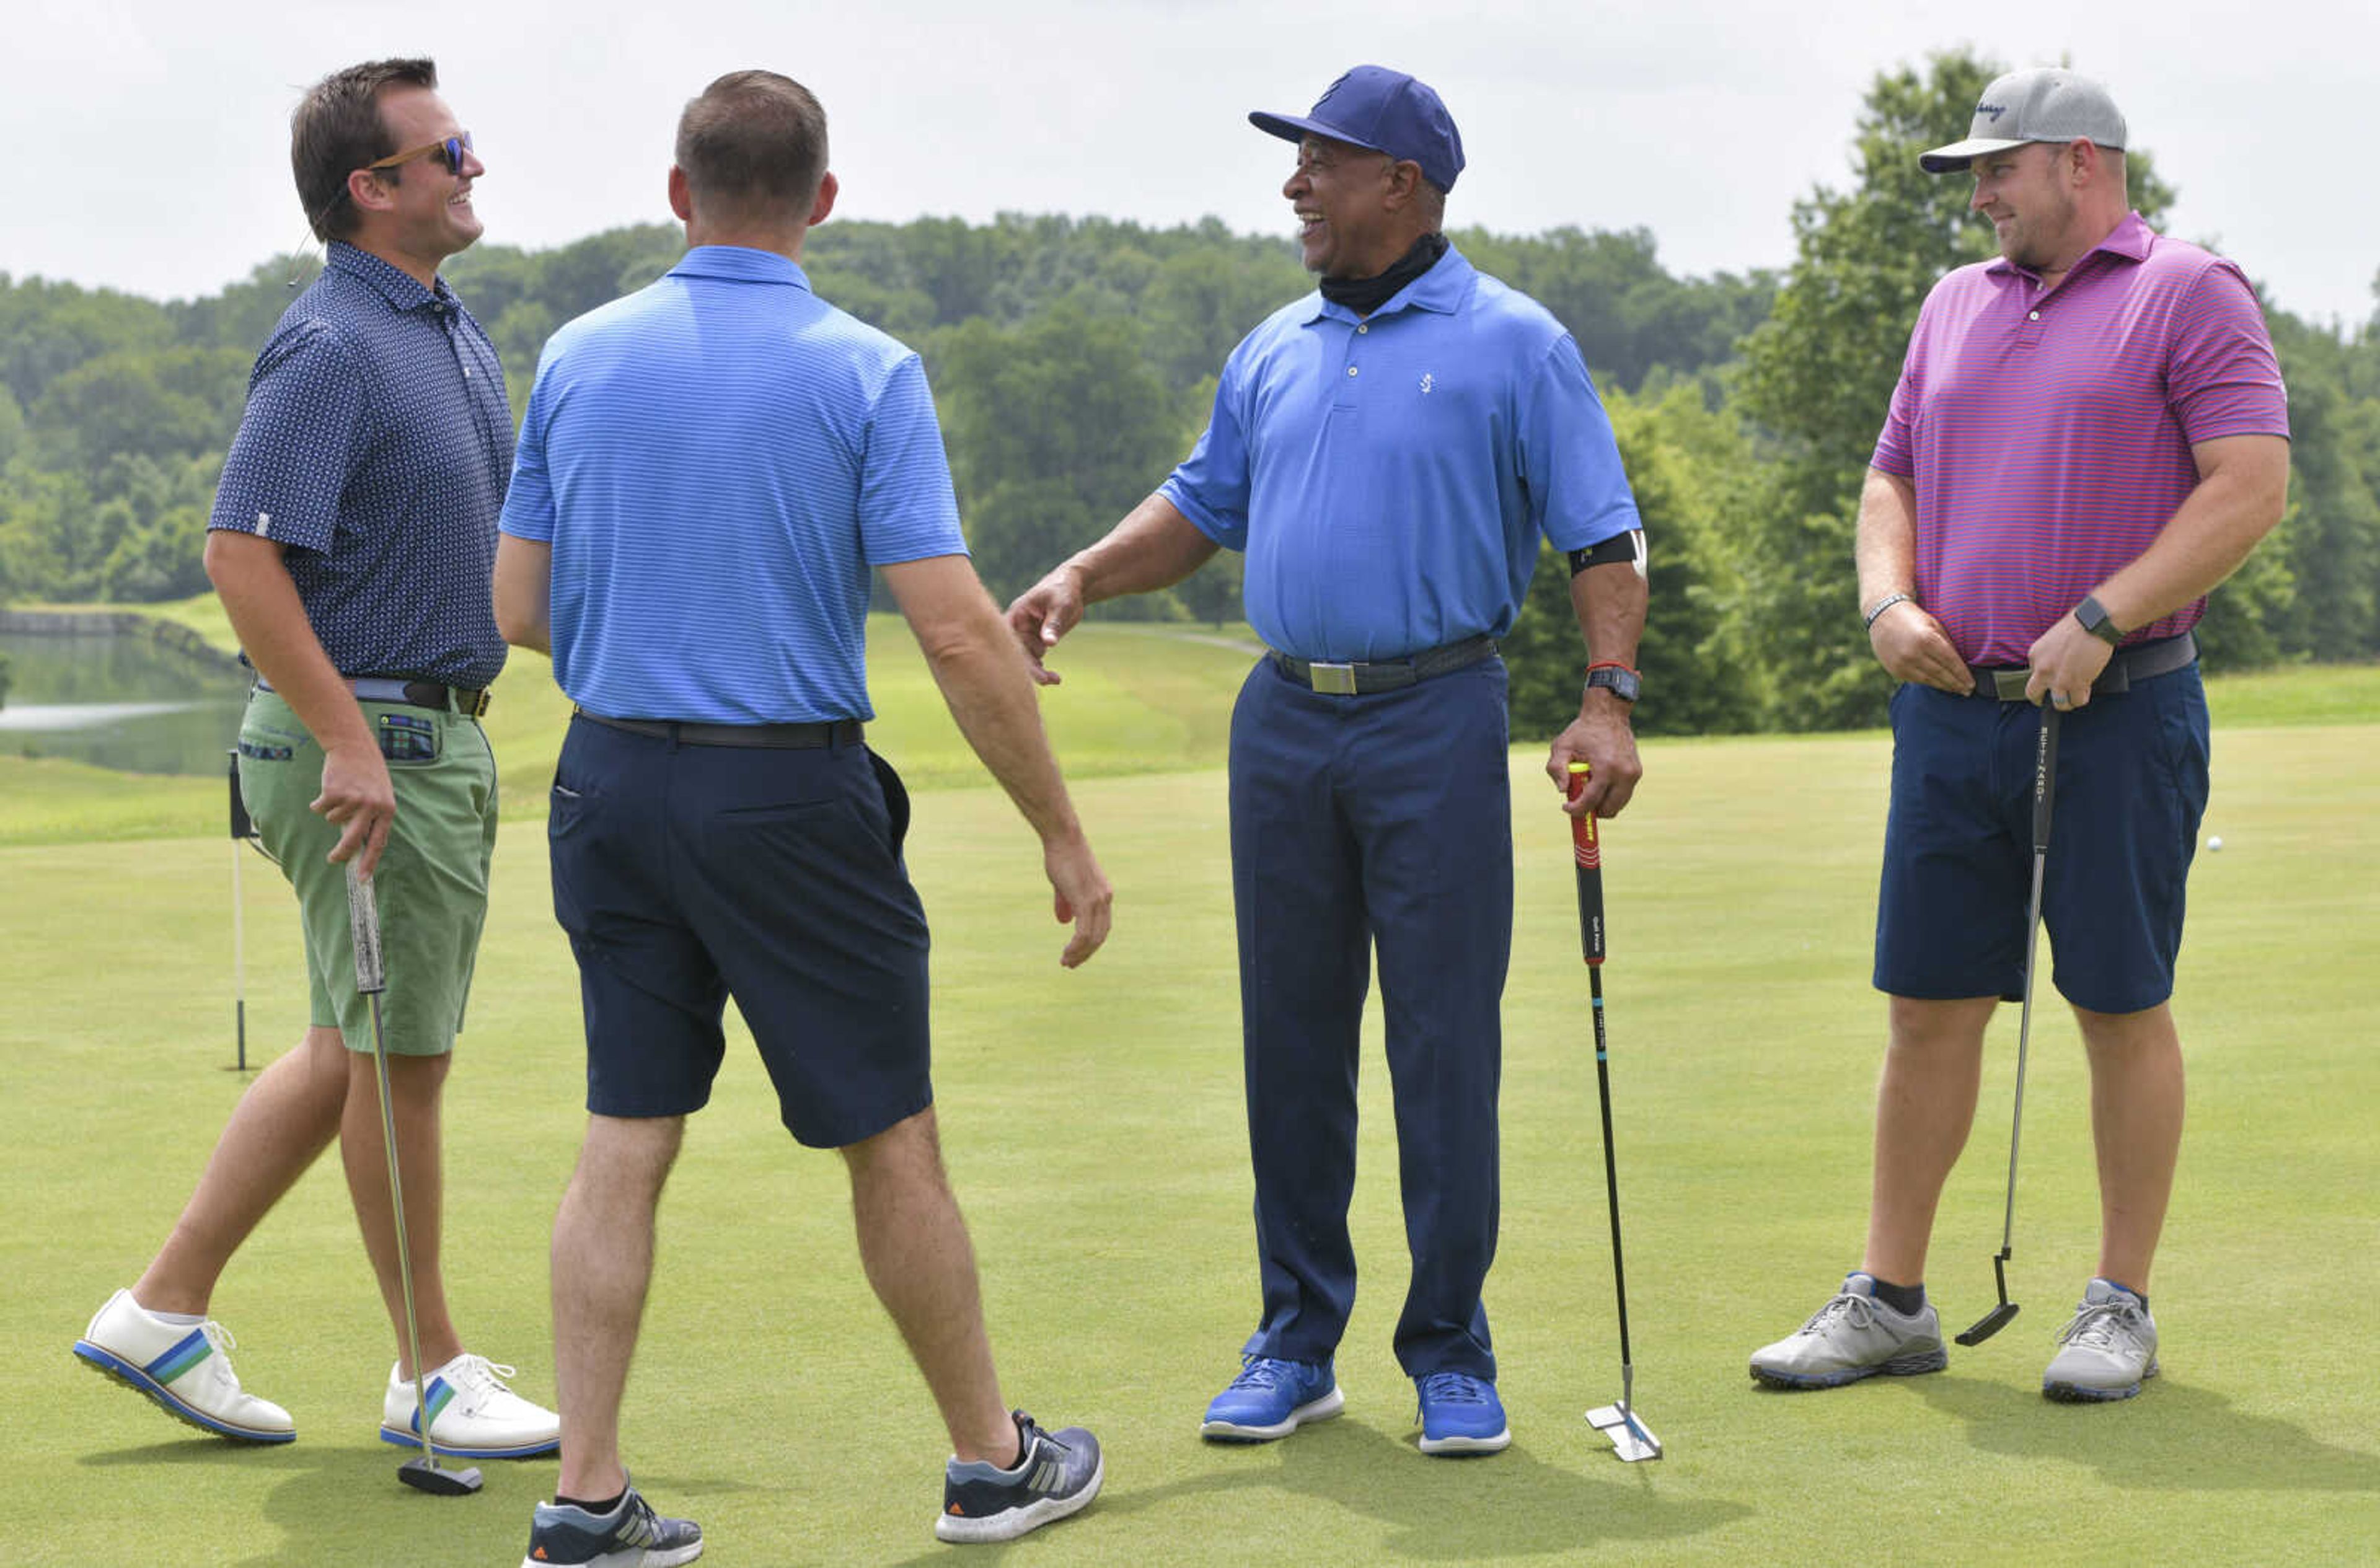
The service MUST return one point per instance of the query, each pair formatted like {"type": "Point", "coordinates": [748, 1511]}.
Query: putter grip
{"type": "Point", "coordinates": [1587, 849]}
{"type": "Point", "coordinates": [363, 920]}
{"type": "Point", "coordinates": [2044, 780]}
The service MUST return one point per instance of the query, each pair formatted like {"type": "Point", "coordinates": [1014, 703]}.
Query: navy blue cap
{"type": "Point", "coordinates": [1386, 111]}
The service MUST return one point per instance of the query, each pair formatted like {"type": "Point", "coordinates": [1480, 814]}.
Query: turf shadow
{"type": "Point", "coordinates": [345, 1505]}
{"type": "Point", "coordinates": [2171, 1436]}
{"type": "Point", "coordinates": [1509, 1504]}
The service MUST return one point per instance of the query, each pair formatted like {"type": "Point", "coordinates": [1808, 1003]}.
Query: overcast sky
{"type": "Point", "coordinates": [146, 143]}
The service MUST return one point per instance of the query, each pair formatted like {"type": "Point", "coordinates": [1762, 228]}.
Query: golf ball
{"type": "Point", "coordinates": [2214, 843]}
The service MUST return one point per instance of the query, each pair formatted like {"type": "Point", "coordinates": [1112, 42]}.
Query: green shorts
{"type": "Point", "coordinates": [432, 880]}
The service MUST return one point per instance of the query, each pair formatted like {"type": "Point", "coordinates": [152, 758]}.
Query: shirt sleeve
{"type": "Point", "coordinates": [529, 500]}
{"type": "Point", "coordinates": [2222, 378]}
{"type": "Point", "coordinates": [299, 439]}
{"type": "Point", "coordinates": [907, 509]}
{"type": "Point", "coordinates": [1569, 459]}
{"type": "Point", "coordinates": [1896, 444]}
{"type": "Point", "coordinates": [1211, 486]}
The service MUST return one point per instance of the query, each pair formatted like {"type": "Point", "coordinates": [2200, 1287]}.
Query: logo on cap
{"type": "Point", "coordinates": [1994, 110]}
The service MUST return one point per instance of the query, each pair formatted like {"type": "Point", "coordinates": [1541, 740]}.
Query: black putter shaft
{"type": "Point", "coordinates": [371, 978]}
{"type": "Point", "coordinates": [242, 826]}
{"type": "Point", "coordinates": [1588, 854]}
{"type": "Point", "coordinates": [2044, 779]}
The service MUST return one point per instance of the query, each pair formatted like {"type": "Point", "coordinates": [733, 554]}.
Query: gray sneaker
{"type": "Point", "coordinates": [2106, 1351]}
{"type": "Point", "coordinates": [1852, 1337]}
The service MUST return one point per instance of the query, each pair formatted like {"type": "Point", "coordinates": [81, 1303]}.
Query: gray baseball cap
{"type": "Point", "coordinates": [2045, 104]}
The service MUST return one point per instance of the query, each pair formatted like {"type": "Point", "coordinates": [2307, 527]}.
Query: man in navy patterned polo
{"type": "Point", "coordinates": [352, 542]}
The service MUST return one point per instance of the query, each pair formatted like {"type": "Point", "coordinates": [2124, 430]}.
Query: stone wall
{"type": "Point", "coordinates": [112, 623]}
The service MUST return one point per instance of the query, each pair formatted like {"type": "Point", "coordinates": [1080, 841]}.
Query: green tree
{"type": "Point", "coordinates": [12, 427]}
{"type": "Point", "coordinates": [159, 404]}
{"type": "Point", "coordinates": [1685, 465]}
{"type": "Point", "coordinates": [1055, 427]}
{"type": "Point", "coordinates": [47, 329]}
{"type": "Point", "coordinates": [2330, 538]}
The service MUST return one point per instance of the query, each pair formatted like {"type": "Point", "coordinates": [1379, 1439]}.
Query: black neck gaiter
{"type": "Point", "coordinates": [1365, 295]}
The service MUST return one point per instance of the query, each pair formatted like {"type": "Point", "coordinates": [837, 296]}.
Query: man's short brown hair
{"type": "Point", "coordinates": [753, 145]}
{"type": "Point", "coordinates": [336, 130]}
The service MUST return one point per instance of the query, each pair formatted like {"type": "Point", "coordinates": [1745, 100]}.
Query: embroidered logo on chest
{"type": "Point", "coordinates": [1428, 381]}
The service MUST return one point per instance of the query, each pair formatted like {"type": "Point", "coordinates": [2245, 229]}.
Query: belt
{"type": "Point", "coordinates": [2138, 662]}
{"type": "Point", "coordinates": [469, 701]}
{"type": "Point", "coordinates": [1387, 674]}
{"type": "Point", "coordinates": [773, 737]}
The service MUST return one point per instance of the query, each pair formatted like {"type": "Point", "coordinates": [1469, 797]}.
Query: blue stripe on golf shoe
{"type": "Point", "coordinates": [439, 1395]}
{"type": "Point", "coordinates": [186, 1353]}
{"type": "Point", "coordinates": [101, 1360]}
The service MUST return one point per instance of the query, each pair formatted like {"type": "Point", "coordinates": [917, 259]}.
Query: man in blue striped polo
{"type": "Point", "coordinates": [708, 470]}
{"type": "Point", "coordinates": [1388, 452]}
{"type": "Point", "coordinates": [351, 542]}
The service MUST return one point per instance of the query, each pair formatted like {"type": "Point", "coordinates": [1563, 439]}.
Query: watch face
{"type": "Point", "coordinates": [1622, 683]}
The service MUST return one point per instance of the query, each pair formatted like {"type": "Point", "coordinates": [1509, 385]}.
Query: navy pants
{"type": "Point", "coordinates": [1360, 821]}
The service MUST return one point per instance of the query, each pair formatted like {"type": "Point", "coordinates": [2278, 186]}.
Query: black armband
{"type": "Point", "coordinates": [1621, 549]}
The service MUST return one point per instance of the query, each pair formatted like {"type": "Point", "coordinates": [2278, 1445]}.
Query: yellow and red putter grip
{"type": "Point", "coordinates": [1587, 850]}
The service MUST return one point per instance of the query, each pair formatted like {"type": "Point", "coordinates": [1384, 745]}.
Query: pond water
{"type": "Point", "coordinates": [119, 701]}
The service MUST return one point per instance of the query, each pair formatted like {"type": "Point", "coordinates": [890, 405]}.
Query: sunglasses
{"type": "Point", "coordinates": [449, 152]}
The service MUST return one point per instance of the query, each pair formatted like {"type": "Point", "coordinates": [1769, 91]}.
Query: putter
{"type": "Point", "coordinates": [371, 978]}
{"type": "Point", "coordinates": [242, 826]}
{"type": "Point", "coordinates": [1630, 1438]}
{"type": "Point", "coordinates": [2044, 778]}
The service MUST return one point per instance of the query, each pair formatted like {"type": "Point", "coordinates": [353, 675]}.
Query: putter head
{"type": "Point", "coordinates": [1990, 1323]}
{"type": "Point", "coordinates": [1630, 1438]}
{"type": "Point", "coordinates": [424, 1476]}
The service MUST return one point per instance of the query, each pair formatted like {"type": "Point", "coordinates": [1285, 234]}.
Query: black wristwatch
{"type": "Point", "coordinates": [1618, 679]}
{"type": "Point", "coordinates": [2095, 619]}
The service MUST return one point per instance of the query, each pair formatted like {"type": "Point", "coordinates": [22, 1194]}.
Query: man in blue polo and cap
{"type": "Point", "coordinates": [1387, 452]}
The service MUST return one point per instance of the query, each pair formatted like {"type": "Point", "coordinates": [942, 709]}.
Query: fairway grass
{"type": "Point", "coordinates": [1093, 1124]}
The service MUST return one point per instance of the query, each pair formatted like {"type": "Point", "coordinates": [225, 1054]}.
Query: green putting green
{"type": "Point", "coordinates": [1093, 1130]}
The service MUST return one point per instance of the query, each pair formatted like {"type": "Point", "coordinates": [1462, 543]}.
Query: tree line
{"type": "Point", "coordinates": [1073, 360]}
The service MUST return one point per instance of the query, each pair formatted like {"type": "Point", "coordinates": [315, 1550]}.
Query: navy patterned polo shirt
{"type": "Point", "coordinates": [375, 446]}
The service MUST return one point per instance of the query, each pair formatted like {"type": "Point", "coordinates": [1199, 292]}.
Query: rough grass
{"type": "Point", "coordinates": [1095, 1132]}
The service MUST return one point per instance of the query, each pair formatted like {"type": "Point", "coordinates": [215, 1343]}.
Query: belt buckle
{"type": "Point", "coordinates": [479, 702]}
{"type": "Point", "coordinates": [2009, 685]}
{"type": "Point", "coordinates": [1335, 680]}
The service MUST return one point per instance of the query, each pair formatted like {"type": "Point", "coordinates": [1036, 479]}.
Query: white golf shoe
{"type": "Point", "coordinates": [472, 1413]}
{"type": "Point", "coordinates": [1853, 1336]}
{"type": "Point", "coordinates": [185, 1367]}
{"type": "Point", "coordinates": [2107, 1349]}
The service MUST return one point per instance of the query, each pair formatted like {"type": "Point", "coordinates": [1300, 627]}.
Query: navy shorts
{"type": "Point", "coordinates": [1958, 846]}
{"type": "Point", "coordinates": [686, 874]}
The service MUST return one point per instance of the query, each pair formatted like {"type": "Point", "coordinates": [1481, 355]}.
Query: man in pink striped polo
{"type": "Point", "coordinates": [2089, 434]}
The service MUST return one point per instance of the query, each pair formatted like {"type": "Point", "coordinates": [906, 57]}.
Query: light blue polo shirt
{"type": "Point", "coordinates": [1388, 477]}
{"type": "Point", "coordinates": [718, 461]}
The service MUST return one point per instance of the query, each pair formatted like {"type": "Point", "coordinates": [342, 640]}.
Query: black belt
{"type": "Point", "coordinates": [1387, 674]}
{"type": "Point", "coordinates": [2138, 662]}
{"type": "Point", "coordinates": [773, 737]}
{"type": "Point", "coordinates": [468, 700]}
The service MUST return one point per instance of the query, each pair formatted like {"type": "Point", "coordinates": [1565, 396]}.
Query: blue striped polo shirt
{"type": "Point", "coordinates": [374, 446]}
{"type": "Point", "coordinates": [718, 461]}
{"type": "Point", "coordinates": [2047, 431]}
{"type": "Point", "coordinates": [1390, 476]}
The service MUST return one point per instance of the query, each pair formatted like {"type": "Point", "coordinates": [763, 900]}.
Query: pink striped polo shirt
{"type": "Point", "coordinates": [2048, 432]}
